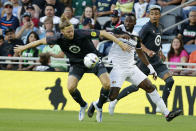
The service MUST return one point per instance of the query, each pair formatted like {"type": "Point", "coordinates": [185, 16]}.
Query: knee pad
{"type": "Point", "coordinates": [169, 82]}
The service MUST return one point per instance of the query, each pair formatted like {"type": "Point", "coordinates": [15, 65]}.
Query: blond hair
{"type": "Point", "coordinates": [64, 22]}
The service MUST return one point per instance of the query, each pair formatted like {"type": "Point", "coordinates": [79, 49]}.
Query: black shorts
{"type": "Point", "coordinates": [78, 70]}
{"type": "Point", "coordinates": [159, 67]}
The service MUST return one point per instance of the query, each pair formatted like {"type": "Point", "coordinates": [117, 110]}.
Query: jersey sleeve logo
{"type": "Point", "coordinates": [93, 34]}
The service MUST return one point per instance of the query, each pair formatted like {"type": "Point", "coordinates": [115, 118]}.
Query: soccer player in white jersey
{"type": "Point", "coordinates": [124, 68]}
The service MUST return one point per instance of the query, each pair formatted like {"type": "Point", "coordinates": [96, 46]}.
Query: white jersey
{"type": "Point", "coordinates": [121, 58]}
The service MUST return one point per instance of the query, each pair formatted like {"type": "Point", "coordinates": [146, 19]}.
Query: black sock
{"type": "Point", "coordinates": [103, 97]}
{"type": "Point", "coordinates": [168, 86]}
{"type": "Point", "coordinates": [78, 98]}
{"type": "Point", "coordinates": [126, 91]}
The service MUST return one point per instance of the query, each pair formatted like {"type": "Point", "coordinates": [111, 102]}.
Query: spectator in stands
{"type": "Point", "coordinates": [140, 9]}
{"type": "Point", "coordinates": [1, 43]}
{"type": "Point", "coordinates": [114, 22]}
{"type": "Point", "coordinates": [68, 12]}
{"type": "Point", "coordinates": [50, 12]}
{"type": "Point", "coordinates": [44, 59]}
{"type": "Point", "coordinates": [55, 52]}
{"type": "Point", "coordinates": [103, 9]}
{"type": "Point", "coordinates": [48, 25]}
{"type": "Point", "coordinates": [7, 48]}
{"type": "Point", "coordinates": [186, 9]}
{"type": "Point", "coordinates": [125, 6]}
{"type": "Point", "coordinates": [1, 40]}
{"type": "Point", "coordinates": [177, 53]}
{"type": "Point", "coordinates": [168, 2]}
{"type": "Point", "coordinates": [79, 6]}
{"type": "Point", "coordinates": [15, 8]}
{"type": "Point", "coordinates": [8, 21]}
{"type": "Point", "coordinates": [66, 2]}
{"type": "Point", "coordinates": [31, 10]}
{"type": "Point", "coordinates": [188, 30]}
{"type": "Point", "coordinates": [26, 3]}
{"type": "Point", "coordinates": [87, 24]}
{"type": "Point", "coordinates": [192, 59]}
{"type": "Point", "coordinates": [58, 6]}
{"type": "Point", "coordinates": [27, 26]}
{"type": "Point", "coordinates": [32, 52]}
{"type": "Point", "coordinates": [88, 13]}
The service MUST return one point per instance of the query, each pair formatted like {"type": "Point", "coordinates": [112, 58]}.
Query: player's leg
{"type": "Point", "coordinates": [117, 77]}
{"type": "Point", "coordinates": [164, 74]}
{"type": "Point", "coordinates": [103, 76]}
{"type": "Point", "coordinates": [130, 89]}
{"type": "Point", "coordinates": [75, 75]}
{"type": "Point", "coordinates": [155, 97]}
{"type": "Point", "coordinates": [133, 88]}
{"type": "Point", "coordinates": [126, 91]}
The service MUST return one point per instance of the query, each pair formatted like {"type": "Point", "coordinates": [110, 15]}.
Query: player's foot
{"type": "Point", "coordinates": [112, 106]}
{"type": "Point", "coordinates": [82, 112]}
{"type": "Point", "coordinates": [173, 114]}
{"type": "Point", "coordinates": [91, 110]}
{"type": "Point", "coordinates": [99, 112]}
{"type": "Point", "coordinates": [158, 110]}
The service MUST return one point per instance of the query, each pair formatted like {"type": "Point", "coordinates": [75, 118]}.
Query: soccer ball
{"type": "Point", "coordinates": [90, 60]}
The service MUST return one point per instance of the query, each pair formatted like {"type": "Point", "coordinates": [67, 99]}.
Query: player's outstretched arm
{"type": "Point", "coordinates": [109, 36]}
{"type": "Point", "coordinates": [20, 48]}
{"type": "Point", "coordinates": [144, 59]}
{"type": "Point", "coordinates": [150, 53]}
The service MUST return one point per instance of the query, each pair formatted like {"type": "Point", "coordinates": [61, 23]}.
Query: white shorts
{"type": "Point", "coordinates": [131, 74]}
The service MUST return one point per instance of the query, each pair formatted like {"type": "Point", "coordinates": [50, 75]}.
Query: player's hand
{"type": "Point", "coordinates": [125, 47]}
{"type": "Point", "coordinates": [154, 75]}
{"type": "Point", "coordinates": [151, 53]}
{"type": "Point", "coordinates": [125, 36]}
{"type": "Point", "coordinates": [18, 49]}
{"type": "Point", "coordinates": [152, 72]}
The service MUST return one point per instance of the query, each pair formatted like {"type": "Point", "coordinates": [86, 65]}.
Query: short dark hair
{"type": "Point", "coordinates": [130, 15]}
{"type": "Point", "coordinates": [49, 5]}
{"type": "Point", "coordinates": [44, 58]}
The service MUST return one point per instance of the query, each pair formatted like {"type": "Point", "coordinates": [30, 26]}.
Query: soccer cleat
{"type": "Point", "coordinates": [91, 110]}
{"type": "Point", "coordinates": [99, 112]}
{"type": "Point", "coordinates": [82, 112]}
{"type": "Point", "coordinates": [112, 106]}
{"type": "Point", "coordinates": [173, 114]}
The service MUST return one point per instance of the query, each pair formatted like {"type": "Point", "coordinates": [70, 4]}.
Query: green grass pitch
{"type": "Point", "coordinates": [44, 120]}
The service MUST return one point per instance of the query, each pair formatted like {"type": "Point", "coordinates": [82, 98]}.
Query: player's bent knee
{"type": "Point", "coordinates": [71, 88]}
{"type": "Point", "coordinates": [114, 91]}
{"type": "Point", "coordinates": [106, 85]}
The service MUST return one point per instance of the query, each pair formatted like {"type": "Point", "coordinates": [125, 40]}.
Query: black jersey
{"type": "Point", "coordinates": [78, 47]}
{"type": "Point", "coordinates": [151, 36]}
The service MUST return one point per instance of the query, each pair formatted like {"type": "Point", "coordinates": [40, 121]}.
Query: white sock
{"type": "Point", "coordinates": [155, 97]}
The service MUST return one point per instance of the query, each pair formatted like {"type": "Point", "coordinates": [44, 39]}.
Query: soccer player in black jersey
{"type": "Point", "coordinates": [76, 44]}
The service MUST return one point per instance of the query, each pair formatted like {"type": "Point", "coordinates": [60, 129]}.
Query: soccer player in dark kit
{"type": "Point", "coordinates": [150, 35]}
{"type": "Point", "coordinates": [76, 44]}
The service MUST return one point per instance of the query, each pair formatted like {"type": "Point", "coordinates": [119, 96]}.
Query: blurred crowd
{"type": "Point", "coordinates": [24, 21]}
